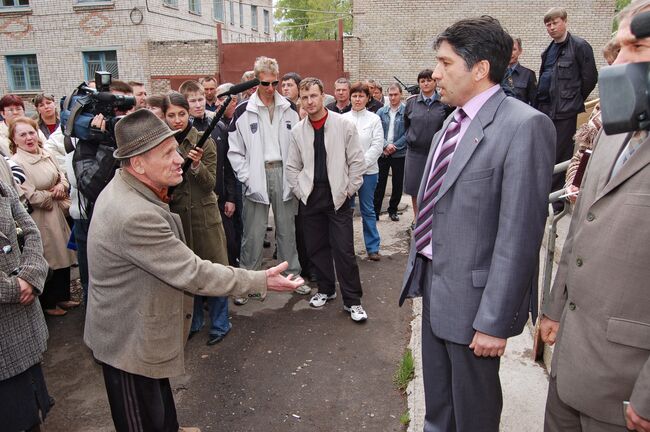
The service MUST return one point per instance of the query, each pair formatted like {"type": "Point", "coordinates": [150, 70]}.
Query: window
{"type": "Point", "coordinates": [217, 10]}
{"type": "Point", "coordinates": [13, 3]}
{"type": "Point", "coordinates": [241, 14]}
{"type": "Point", "coordinates": [100, 61]}
{"type": "Point", "coordinates": [267, 21]}
{"type": "Point", "coordinates": [195, 6]}
{"type": "Point", "coordinates": [172, 3]}
{"type": "Point", "coordinates": [23, 72]}
{"type": "Point", "coordinates": [253, 17]}
{"type": "Point", "coordinates": [231, 5]}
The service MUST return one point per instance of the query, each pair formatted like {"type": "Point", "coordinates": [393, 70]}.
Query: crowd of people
{"type": "Point", "coordinates": [475, 149]}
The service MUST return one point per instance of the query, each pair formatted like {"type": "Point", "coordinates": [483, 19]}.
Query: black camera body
{"type": "Point", "coordinates": [625, 97]}
{"type": "Point", "coordinates": [85, 102]}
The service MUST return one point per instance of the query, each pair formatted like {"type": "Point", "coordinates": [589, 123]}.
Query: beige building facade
{"type": "Point", "coordinates": [395, 37]}
{"type": "Point", "coordinates": [52, 45]}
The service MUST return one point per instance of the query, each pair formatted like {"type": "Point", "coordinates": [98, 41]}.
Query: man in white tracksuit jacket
{"type": "Point", "coordinates": [258, 142]}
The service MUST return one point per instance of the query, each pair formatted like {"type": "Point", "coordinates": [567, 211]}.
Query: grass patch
{"type": "Point", "coordinates": [405, 371]}
{"type": "Point", "coordinates": [405, 418]}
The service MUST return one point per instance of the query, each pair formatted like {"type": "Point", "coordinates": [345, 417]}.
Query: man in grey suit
{"type": "Point", "coordinates": [482, 206]}
{"type": "Point", "coordinates": [600, 301]}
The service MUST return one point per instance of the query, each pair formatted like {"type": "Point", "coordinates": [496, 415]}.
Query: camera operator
{"type": "Point", "coordinates": [93, 166]}
{"type": "Point", "coordinates": [599, 307]}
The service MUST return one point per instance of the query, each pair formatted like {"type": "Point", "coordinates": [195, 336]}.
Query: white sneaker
{"type": "Point", "coordinates": [356, 313]}
{"type": "Point", "coordinates": [319, 299]}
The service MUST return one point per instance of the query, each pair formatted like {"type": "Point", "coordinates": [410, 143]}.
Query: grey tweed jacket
{"type": "Point", "coordinates": [23, 333]}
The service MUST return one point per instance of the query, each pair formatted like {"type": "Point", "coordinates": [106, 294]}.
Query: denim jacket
{"type": "Point", "coordinates": [399, 133]}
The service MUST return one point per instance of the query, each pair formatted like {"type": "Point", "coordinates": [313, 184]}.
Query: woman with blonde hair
{"type": "Point", "coordinates": [46, 189]}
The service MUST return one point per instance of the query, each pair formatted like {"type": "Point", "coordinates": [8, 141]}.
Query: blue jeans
{"type": "Point", "coordinates": [367, 207]}
{"type": "Point", "coordinates": [219, 323]}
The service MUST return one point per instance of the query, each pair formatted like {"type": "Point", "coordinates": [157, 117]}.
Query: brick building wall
{"type": "Point", "coordinates": [58, 32]}
{"type": "Point", "coordinates": [395, 37]}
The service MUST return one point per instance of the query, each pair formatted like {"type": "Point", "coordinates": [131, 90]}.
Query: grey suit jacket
{"type": "Point", "coordinates": [488, 222]}
{"type": "Point", "coordinates": [601, 291]}
{"type": "Point", "coordinates": [142, 279]}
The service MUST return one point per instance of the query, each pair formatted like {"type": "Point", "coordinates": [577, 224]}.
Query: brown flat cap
{"type": "Point", "coordinates": [139, 132]}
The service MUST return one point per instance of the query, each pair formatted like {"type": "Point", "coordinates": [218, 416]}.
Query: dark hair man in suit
{"type": "Point", "coordinates": [482, 207]}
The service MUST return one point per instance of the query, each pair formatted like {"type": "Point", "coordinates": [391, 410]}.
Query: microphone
{"type": "Point", "coordinates": [640, 25]}
{"type": "Point", "coordinates": [242, 87]}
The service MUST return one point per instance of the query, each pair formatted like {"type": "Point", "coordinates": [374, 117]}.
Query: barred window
{"type": "Point", "coordinates": [23, 72]}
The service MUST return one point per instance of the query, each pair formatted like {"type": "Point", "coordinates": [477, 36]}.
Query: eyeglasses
{"type": "Point", "coordinates": [269, 83]}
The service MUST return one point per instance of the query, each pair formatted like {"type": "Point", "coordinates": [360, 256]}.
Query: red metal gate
{"type": "Point", "coordinates": [321, 59]}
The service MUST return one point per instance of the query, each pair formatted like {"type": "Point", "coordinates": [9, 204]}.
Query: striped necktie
{"type": "Point", "coordinates": [422, 232]}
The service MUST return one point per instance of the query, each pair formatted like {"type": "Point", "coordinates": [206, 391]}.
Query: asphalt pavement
{"type": "Point", "coordinates": [283, 367]}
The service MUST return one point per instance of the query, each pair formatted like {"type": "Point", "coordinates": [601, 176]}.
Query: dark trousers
{"type": "Point", "coordinates": [80, 229]}
{"type": "Point", "coordinates": [233, 239]}
{"type": "Point", "coordinates": [56, 289]}
{"type": "Point", "coordinates": [138, 403]}
{"type": "Point", "coordinates": [330, 242]}
{"type": "Point", "coordinates": [397, 167]}
{"type": "Point", "coordinates": [565, 129]}
{"type": "Point", "coordinates": [462, 392]}
{"type": "Point", "coordinates": [303, 256]}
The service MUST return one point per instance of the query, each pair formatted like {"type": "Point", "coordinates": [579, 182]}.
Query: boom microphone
{"type": "Point", "coordinates": [242, 87]}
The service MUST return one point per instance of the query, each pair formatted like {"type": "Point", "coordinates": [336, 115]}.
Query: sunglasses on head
{"type": "Point", "coordinates": [269, 83]}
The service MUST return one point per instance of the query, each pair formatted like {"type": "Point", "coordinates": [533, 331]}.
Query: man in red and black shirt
{"type": "Point", "coordinates": [324, 169]}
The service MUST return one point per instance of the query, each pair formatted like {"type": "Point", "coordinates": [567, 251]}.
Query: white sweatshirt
{"type": "Point", "coordinates": [371, 136]}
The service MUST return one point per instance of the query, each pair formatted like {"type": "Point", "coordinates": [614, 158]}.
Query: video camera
{"type": "Point", "coordinates": [625, 89]}
{"type": "Point", "coordinates": [625, 97]}
{"type": "Point", "coordinates": [86, 102]}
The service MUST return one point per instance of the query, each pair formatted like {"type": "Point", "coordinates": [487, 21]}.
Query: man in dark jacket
{"type": "Point", "coordinates": [566, 78]}
{"type": "Point", "coordinates": [519, 78]}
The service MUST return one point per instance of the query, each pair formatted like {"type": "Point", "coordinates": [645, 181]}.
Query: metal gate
{"type": "Point", "coordinates": [321, 59]}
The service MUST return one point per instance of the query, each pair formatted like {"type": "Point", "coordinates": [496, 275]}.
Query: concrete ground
{"type": "Point", "coordinates": [288, 367]}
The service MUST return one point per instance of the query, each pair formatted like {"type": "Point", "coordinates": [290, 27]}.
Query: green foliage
{"type": "Point", "coordinates": [620, 4]}
{"type": "Point", "coordinates": [312, 19]}
{"type": "Point", "coordinates": [405, 371]}
{"type": "Point", "coordinates": [405, 418]}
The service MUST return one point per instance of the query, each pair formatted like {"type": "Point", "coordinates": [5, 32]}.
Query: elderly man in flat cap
{"type": "Point", "coordinates": [143, 279]}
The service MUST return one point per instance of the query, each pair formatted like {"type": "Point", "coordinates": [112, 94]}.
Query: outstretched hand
{"type": "Point", "coordinates": [276, 282]}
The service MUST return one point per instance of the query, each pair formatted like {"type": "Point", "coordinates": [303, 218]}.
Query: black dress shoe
{"type": "Point", "coordinates": [214, 339]}
{"type": "Point", "coordinates": [393, 217]}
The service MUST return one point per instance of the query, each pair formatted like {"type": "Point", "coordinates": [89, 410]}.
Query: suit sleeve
{"type": "Point", "coordinates": [33, 267]}
{"type": "Point", "coordinates": [170, 260]}
{"type": "Point", "coordinates": [640, 398]}
{"type": "Point", "coordinates": [526, 183]}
